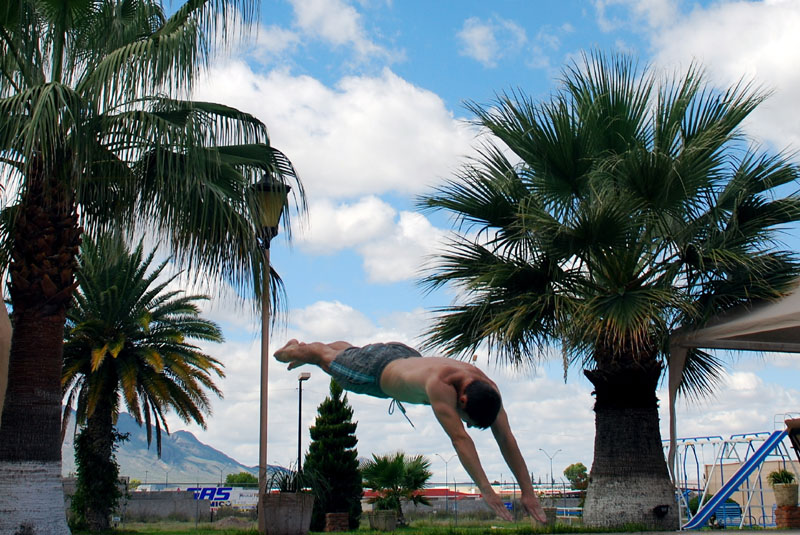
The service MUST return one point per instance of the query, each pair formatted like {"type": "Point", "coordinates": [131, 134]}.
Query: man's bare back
{"type": "Point", "coordinates": [409, 380]}
{"type": "Point", "coordinates": [457, 392]}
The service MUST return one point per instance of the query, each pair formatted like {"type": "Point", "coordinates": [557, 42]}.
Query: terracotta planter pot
{"type": "Point", "coordinates": [337, 522]}
{"type": "Point", "coordinates": [785, 494]}
{"type": "Point", "coordinates": [287, 513]}
{"type": "Point", "coordinates": [383, 520]}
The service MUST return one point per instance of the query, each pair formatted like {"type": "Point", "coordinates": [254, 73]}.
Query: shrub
{"type": "Point", "coordinates": [778, 477]}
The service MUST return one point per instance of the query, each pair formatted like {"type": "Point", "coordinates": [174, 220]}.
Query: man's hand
{"type": "Point", "coordinates": [533, 507]}
{"type": "Point", "coordinates": [497, 505]}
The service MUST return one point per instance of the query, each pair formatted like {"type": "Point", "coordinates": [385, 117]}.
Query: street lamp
{"type": "Point", "coordinates": [446, 482]}
{"type": "Point", "coordinates": [267, 202]}
{"type": "Point", "coordinates": [552, 480]}
{"type": "Point", "coordinates": [304, 376]}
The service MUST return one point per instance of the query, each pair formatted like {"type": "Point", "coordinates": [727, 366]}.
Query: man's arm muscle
{"type": "Point", "coordinates": [513, 457]}
{"type": "Point", "coordinates": [443, 401]}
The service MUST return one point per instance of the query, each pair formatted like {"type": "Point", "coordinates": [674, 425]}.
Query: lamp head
{"type": "Point", "coordinates": [267, 202]}
{"type": "Point", "coordinates": [304, 376]}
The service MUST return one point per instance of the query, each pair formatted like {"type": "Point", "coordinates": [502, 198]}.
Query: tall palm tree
{"type": "Point", "coordinates": [94, 133]}
{"type": "Point", "coordinates": [396, 477]}
{"type": "Point", "coordinates": [128, 342]}
{"type": "Point", "coordinates": [598, 222]}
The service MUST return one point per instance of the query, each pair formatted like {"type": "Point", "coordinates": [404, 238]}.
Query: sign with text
{"type": "Point", "coordinates": [236, 497]}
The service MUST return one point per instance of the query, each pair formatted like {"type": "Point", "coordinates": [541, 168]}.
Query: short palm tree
{"type": "Point", "coordinates": [128, 343]}
{"type": "Point", "coordinates": [95, 132]}
{"type": "Point", "coordinates": [597, 223]}
{"type": "Point", "coordinates": [396, 477]}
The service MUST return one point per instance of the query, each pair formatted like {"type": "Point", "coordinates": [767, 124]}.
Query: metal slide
{"type": "Point", "coordinates": [705, 512]}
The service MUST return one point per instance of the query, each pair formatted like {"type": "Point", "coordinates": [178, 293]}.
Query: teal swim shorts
{"type": "Point", "coordinates": [359, 369]}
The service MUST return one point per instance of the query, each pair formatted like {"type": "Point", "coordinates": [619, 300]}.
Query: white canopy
{"type": "Point", "coordinates": [764, 327]}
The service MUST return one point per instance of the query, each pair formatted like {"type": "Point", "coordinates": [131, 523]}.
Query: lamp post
{"type": "Point", "coordinates": [552, 480]}
{"type": "Point", "coordinates": [446, 482]}
{"type": "Point", "coordinates": [267, 202]}
{"type": "Point", "coordinates": [304, 376]}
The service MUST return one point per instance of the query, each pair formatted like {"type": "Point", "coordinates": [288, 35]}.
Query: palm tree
{"type": "Point", "coordinates": [127, 343]}
{"type": "Point", "coordinates": [95, 133]}
{"type": "Point", "coordinates": [596, 224]}
{"type": "Point", "coordinates": [396, 477]}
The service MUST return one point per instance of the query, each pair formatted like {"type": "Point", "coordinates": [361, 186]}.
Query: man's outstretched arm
{"type": "Point", "coordinates": [513, 457]}
{"type": "Point", "coordinates": [444, 409]}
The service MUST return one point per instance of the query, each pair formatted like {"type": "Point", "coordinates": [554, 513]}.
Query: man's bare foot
{"type": "Point", "coordinates": [284, 354]}
{"type": "Point", "coordinates": [291, 353]}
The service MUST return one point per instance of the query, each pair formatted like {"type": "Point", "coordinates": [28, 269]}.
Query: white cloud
{"type": "Point", "coordinates": [400, 255]}
{"type": "Point", "coordinates": [784, 360]}
{"type": "Point", "coordinates": [546, 43]}
{"type": "Point", "coordinates": [488, 41]}
{"type": "Point", "coordinates": [338, 23]}
{"type": "Point", "coordinates": [635, 14]}
{"type": "Point", "coordinates": [262, 43]}
{"type": "Point", "coordinates": [394, 245]}
{"type": "Point", "coordinates": [479, 42]}
{"type": "Point", "coordinates": [334, 227]}
{"type": "Point", "coordinates": [328, 322]}
{"type": "Point", "coordinates": [755, 40]}
{"type": "Point", "coordinates": [369, 135]}
{"type": "Point", "coordinates": [271, 41]}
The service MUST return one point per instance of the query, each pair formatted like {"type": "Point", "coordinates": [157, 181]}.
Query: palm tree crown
{"type": "Point", "coordinates": [95, 118]}
{"type": "Point", "coordinates": [396, 477]}
{"type": "Point", "coordinates": [622, 209]}
{"type": "Point", "coordinates": [128, 337]}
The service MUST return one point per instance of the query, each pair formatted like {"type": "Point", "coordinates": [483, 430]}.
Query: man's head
{"type": "Point", "coordinates": [482, 403]}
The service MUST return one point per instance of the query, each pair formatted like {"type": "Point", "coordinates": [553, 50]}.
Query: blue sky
{"type": "Point", "coordinates": [366, 98]}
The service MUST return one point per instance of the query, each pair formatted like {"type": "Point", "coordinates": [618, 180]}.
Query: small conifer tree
{"type": "Point", "coordinates": [332, 458]}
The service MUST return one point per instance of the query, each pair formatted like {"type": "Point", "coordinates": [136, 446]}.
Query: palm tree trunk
{"type": "Point", "coordinates": [31, 493]}
{"type": "Point", "coordinates": [98, 475]}
{"type": "Point", "coordinates": [629, 482]}
{"type": "Point", "coordinates": [46, 237]}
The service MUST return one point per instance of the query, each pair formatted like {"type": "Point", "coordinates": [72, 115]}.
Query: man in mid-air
{"type": "Point", "coordinates": [456, 391]}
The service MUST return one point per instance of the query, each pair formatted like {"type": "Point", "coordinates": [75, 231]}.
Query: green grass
{"type": "Point", "coordinates": [416, 528]}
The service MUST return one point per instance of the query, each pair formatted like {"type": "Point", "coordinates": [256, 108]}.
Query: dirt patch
{"type": "Point", "coordinates": [233, 522]}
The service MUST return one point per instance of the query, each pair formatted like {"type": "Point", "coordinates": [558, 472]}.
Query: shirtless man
{"type": "Point", "coordinates": [456, 391]}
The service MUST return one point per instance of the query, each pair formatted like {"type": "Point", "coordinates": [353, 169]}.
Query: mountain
{"type": "Point", "coordinates": [185, 461]}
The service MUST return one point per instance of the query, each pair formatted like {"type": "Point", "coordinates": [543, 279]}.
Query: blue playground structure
{"type": "Point", "coordinates": [749, 451]}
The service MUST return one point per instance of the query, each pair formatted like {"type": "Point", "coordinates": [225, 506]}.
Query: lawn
{"type": "Point", "coordinates": [474, 527]}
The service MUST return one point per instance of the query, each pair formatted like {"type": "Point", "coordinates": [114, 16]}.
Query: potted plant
{"type": "Point", "coordinates": [783, 483]}
{"type": "Point", "coordinates": [288, 503]}
{"type": "Point", "coordinates": [396, 478]}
